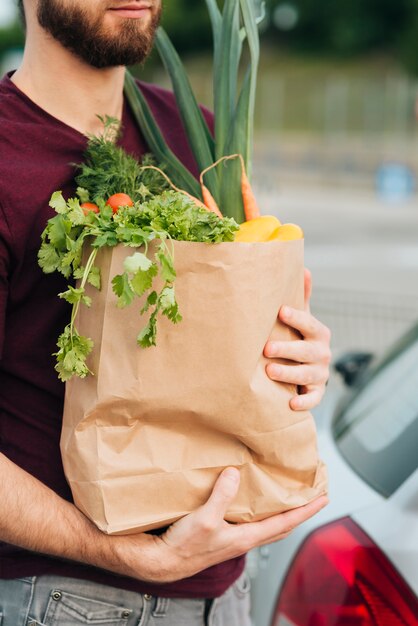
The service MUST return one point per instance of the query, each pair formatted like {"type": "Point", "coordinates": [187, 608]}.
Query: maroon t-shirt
{"type": "Point", "coordinates": [36, 152]}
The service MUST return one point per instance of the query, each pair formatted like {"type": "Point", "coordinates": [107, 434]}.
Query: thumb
{"type": "Point", "coordinates": [224, 492]}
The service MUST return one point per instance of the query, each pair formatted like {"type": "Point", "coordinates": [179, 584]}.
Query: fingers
{"type": "Point", "coordinates": [223, 493]}
{"type": "Point", "coordinates": [300, 375]}
{"type": "Point", "coordinates": [308, 326]}
{"type": "Point", "coordinates": [299, 351]}
{"type": "Point", "coordinates": [310, 380]}
{"type": "Point", "coordinates": [279, 526]}
{"type": "Point", "coordinates": [308, 398]}
{"type": "Point", "coordinates": [309, 359]}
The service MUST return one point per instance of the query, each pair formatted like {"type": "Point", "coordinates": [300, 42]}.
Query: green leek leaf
{"type": "Point", "coordinates": [156, 142]}
{"type": "Point", "coordinates": [216, 20]}
{"type": "Point", "coordinates": [226, 65]}
{"type": "Point", "coordinates": [198, 134]}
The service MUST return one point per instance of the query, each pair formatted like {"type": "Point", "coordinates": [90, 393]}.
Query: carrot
{"type": "Point", "coordinates": [209, 201]}
{"type": "Point", "coordinates": [251, 210]}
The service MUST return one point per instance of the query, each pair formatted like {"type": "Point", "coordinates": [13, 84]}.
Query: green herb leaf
{"type": "Point", "coordinates": [169, 306]}
{"type": "Point", "coordinates": [78, 274]}
{"type": "Point", "coordinates": [72, 295]}
{"type": "Point", "coordinates": [147, 336]}
{"type": "Point", "coordinates": [72, 354]}
{"type": "Point", "coordinates": [94, 278]}
{"type": "Point", "coordinates": [58, 229]}
{"type": "Point", "coordinates": [74, 254]}
{"type": "Point", "coordinates": [83, 194]}
{"type": "Point", "coordinates": [58, 203]}
{"type": "Point", "coordinates": [168, 272]}
{"type": "Point", "coordinates": [108, 169]}
{"type": "Point", "coordinates": [142, 281]}
{"type": "Point", "coordinates": [75, 213]}
{"type": "Point", "coordinates": [123, 290]}
{"type": "Point", "coordinates": [48, 258]}
{"type": "Point", "coordinates": [108, 238]}
{"type": "Point", "coordinates": [137, 261]}
{"type": "Point", "coordinates": [151, 301]}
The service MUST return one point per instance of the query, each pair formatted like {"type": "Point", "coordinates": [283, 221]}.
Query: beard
{"type": "Point", "coordinates": [87, 37]}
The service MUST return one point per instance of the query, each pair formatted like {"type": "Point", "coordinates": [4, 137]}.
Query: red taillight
{"type": "Point", "coordinates": [341, 578]}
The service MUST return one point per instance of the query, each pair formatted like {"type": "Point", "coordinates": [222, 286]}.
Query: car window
{"type": "Point", "coordinates": [378, 430]}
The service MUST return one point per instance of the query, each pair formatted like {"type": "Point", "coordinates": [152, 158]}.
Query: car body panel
{"type": "Point", "coordinates": [267, 566]}
{"type": "Point", "coordinates": [383, 503]}
{"type": "Point", "coordinates": [393, 525]}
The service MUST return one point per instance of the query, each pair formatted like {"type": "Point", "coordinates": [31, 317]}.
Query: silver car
{"type": "Point", "coordinates": [356, 562]}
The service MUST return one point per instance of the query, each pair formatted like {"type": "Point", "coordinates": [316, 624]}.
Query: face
{"type": "Point", "coordinates": [103, 33]}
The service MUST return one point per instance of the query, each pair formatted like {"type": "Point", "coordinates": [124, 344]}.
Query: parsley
{"type": "Point", "coordinates": [108, 169]}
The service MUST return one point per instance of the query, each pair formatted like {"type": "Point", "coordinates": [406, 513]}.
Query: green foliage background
{"type": "Point", "coordinates": [354, 27]}
{"type": "Point", "coordinates": [335, 28]}
{"type": "Point", "coordinates": [11, 37]}
{"type": "Point", "coordinates": [342, 28]}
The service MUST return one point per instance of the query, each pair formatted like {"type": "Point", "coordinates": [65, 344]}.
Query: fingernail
{"type": "Point", "coordinates": [271, 348]}
{"type": "Point", "coordinates": [286, 311]}
{"type": "Point", "coordinates": [297, 402]}
{"type": "Point", "coordinates": [232, 473]}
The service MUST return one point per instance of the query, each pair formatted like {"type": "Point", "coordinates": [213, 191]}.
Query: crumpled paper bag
{"type": "Point", "coordinates": [145, 438]}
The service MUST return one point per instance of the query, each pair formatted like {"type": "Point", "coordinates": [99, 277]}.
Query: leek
{"type": "Point", "coordinates": [234, 104]}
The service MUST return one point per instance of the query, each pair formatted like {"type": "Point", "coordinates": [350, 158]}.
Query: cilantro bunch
{"type": "Point", "coordinates": [161, 218]}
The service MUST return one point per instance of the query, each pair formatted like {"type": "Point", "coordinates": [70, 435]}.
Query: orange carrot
{"type": "Point", "coordinates": [209, 201]}
{"type": "Point", "coordinates": [251, 210]}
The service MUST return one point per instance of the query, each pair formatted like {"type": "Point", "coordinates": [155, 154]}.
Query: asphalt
{"type": "Point", "coordinates": [363, 254]}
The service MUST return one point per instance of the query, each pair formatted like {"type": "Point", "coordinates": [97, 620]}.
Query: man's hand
{"type": "Point", "coordinates": [37, 519]}
{"type": "Point", "coordinates": [312, 354]}
{"type": "Point", "coordinates": [203, 538]}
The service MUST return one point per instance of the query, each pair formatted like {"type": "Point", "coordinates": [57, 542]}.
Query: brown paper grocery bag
{"type": "Point", "coordinates": [145, 438]}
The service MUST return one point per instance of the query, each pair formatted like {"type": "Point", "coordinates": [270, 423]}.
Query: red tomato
{"type": "Point", "coordinates": [89, 206]}
{"type": "Point", "coordinates": [118, 200]}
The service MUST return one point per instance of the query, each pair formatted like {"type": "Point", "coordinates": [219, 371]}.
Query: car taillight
{"type": "Point", "coordinates": [341, 578]}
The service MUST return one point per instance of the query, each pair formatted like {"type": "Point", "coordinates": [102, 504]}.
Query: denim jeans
{"type": "Point", "coordinates": [58, 601]}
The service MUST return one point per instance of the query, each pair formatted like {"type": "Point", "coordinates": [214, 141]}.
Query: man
{"type": "Point", "coordinates": [55, 566]}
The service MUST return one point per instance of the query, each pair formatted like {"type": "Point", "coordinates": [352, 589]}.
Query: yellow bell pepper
{"type": "Point", "coordinates": [267, 228]}
{"type": "Point", "coordinates": [262, 228]}
{"type": "Point", "coordinates": [288, 232]}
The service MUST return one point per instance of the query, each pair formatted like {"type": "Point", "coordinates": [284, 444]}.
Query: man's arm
{"type": "Point", "coordinates": [35, 518]}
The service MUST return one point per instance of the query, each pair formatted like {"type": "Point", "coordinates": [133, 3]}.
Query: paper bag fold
{"type": "Point", "coordinates": [145, 438]}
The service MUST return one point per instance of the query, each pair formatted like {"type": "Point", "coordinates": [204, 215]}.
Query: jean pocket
{"type": "Point", "coordinates": [67, 609]}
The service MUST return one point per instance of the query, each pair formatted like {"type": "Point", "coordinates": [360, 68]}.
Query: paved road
{"type": "Point", "coordinates": [363, 254]}
{"type": "Point", "coordinates": [352, 239]}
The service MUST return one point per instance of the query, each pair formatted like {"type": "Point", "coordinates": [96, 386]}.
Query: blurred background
{"type": "Point", "coordinates": [335, 148]}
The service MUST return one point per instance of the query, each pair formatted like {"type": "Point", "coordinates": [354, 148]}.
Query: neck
{"type": "Point", "coordinates": [66, 87]}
